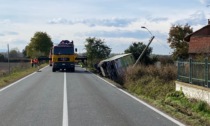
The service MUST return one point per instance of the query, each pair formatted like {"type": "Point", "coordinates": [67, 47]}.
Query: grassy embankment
{"type": "Point", "coordinates": [157, 87]}
{"type": "Point", "coordinates": [16, 74]}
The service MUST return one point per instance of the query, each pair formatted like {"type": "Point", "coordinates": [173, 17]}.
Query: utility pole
{"type": "Point", "coordinates": [145, 47]}
{"type": "Point", "coordinates": [144, 50]}
{"type": "Point", "coordinates": [8, 58]}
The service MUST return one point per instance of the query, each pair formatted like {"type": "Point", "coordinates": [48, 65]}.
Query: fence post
{"type": "Point", "coordinates": [190, 72]}
{"type": "Point", "coordinates": [206, 72]}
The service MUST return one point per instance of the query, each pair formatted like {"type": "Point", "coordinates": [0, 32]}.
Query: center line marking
{"type": "Point", "coordinates": [65, 104]}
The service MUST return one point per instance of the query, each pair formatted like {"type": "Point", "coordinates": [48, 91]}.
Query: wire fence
{"type": "Point", "coordinates": [193, 72]}
{"type": "Point", "coordinates": [7, 68]}
{"type": "Point", "coordinates": [12, 64]}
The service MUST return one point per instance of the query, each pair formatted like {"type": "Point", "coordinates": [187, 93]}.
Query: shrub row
{"type": "Point", "coordinates": [150, 81]}
{"type": "Point", "coordinates": [166, 73]}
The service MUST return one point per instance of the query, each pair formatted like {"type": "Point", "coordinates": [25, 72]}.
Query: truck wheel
{"type": "Point", "coordinates": [69, 70]}
{"type": "Point", "coordinates": [53, 69]}
{"type": "Point", "coordinates": [73, 69]}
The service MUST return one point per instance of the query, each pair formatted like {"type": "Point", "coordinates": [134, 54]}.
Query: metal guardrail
{"type": "Point", "coordinates": [193, 72]}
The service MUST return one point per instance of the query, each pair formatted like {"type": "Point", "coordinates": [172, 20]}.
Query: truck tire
{"type": "Point", "coordinates": [53, 70]}
{"type": "Point", "coordinates": [68, 70]}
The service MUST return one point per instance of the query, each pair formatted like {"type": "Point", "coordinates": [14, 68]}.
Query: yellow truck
{"type": "Point", "coordinates": [63, 56]}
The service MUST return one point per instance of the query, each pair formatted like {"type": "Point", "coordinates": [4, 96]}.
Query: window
{"type": "Point", "coordinates": [63, 50]}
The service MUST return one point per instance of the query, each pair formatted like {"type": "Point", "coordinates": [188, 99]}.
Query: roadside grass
{"type": "Point", "coordinates": [4, 67]}
{"type": "Point", "coordinates": [17, 74]}
{"type": "Point", "coordinates": [156, 86]}
{"type": "Point", "coordinates": [196, 112]}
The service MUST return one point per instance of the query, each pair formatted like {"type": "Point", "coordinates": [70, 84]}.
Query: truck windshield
{"type": "Point", "coordinates": [63, 50]}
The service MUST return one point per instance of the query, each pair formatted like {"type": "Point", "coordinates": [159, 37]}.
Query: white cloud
{"type": "Point", "coordinates": [5, 21]}
{"type": "Point", "coordinates": [110, 22]}
{"type": "Point", "coordinates": [118, 22]}
{"type": "Point", "coordinates": [58, 21]}
{"type": "Point", "coordinates": [205, 1]}
{"type": "Point", "coordinates": [118, 37]}
{"type": "Point", "coordinates": [196, 18]}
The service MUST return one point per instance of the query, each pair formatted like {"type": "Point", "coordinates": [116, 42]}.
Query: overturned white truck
{"type": "Point", "coordinates": [115, 66]}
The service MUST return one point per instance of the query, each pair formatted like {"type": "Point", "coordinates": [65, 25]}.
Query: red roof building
{"type": "Point", "coordinates": [199, 41]}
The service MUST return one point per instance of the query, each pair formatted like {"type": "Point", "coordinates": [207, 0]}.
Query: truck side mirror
{"type": "Point", "coordinates": [75, 49]}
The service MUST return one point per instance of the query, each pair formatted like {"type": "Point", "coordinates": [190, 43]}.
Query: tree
{"type": "Point", "coordinates": [136, 49]}
{"type": "Point", "coordinates": [14, 53]}
{"type": "Point", "coordinates": [24, 52]}
{"type": "Point", "coordinates": [2, 58]}
{"type": "Point", "coordinates": [176, 40]}
{"type": "Point", "coordinates": [39, 45]}
{"type": "Point", "coordinates": [96, 50]}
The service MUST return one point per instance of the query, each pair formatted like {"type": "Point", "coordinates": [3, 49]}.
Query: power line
{"type": "Point", "coordinates": [160, 43]}
{"type": "Point", "coordinates": [156, 38]}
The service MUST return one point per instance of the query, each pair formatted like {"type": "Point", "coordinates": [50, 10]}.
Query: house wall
{"type": "Point", "coordinates": [199, 44]}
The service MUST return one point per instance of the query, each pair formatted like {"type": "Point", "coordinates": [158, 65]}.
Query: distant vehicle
{"type": "Point", "coordinates": [50, 57]}
{"type": "Point", "coordinates": [63, 56]}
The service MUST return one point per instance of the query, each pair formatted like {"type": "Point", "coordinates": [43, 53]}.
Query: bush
{"type": "Point", "coordinates": [150, 81]}
{"type": "Point", "coordinates": [202, 106]}
{"type": "Point", "coordinates": [176, 94]}
{"type": "Point", "coordinates": [177, 98]}
{"type": "Point", "coordinates": [167, 73]}
{"type": "Point", "coordinates": [133, 74]}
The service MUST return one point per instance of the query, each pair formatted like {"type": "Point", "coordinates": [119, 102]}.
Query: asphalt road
{"type": "Point", "coordinates": [49, 98]}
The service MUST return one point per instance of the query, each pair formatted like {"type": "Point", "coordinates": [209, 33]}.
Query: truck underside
{"type": "Point", "coordinates": [68, 66]}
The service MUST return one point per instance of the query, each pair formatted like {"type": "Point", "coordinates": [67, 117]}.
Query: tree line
{"type": "Point", "coordinates": [96, 49]}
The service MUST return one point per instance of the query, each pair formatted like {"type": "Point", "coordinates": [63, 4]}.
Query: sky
{"type": "Point", "coordinates": [117, 22]}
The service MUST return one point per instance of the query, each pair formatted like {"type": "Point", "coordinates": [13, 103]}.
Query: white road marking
{"type": "Point", "coordinates": [144, 103]}
{"type": "Point", "coordinates": [65, 104]}
{"type": "Point", "coordinates": [19, 80]}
